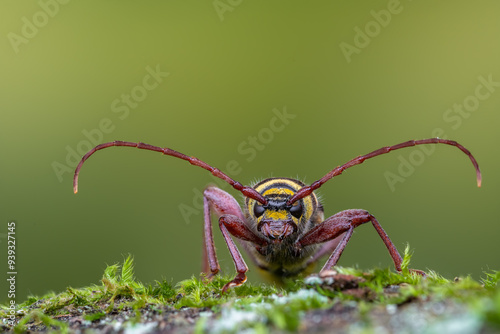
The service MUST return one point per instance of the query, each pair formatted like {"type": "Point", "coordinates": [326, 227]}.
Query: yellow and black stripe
{"type": "Point", "coordinates": [279, 190]}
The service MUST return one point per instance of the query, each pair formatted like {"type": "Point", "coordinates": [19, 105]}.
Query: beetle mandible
{"type": "Point", "coordinates": [281, 224]}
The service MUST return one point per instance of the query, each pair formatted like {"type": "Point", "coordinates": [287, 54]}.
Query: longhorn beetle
{"type": "Point", "coordinates": [281, 224]}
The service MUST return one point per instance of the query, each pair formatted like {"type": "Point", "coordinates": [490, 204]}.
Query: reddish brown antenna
{"type": "Point", "coordinates": [306, 191]}
{"type": "Point", "coordinates": [247, 191]}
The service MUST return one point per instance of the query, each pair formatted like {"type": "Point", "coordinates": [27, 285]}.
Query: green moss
{"type": "Point", "coordinates": [40, 317]}
{"type": "Point", "coordinates": [94, 316]}
{"type": "Point", "coordinates": [258, 306]}
{"type": "Point", "coordinates": [492, 279]}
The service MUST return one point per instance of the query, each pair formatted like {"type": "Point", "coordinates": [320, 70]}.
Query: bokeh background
{"type": "Point", "coordinates": [348, 77]}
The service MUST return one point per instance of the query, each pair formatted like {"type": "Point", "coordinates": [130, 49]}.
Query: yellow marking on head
{"type": "Point", "coordinates": [274, 186]}
{"type": "Point", "coordinates": [278, 191]}
{"type": "Point", "coordinates": [291, 183]}
{"type": "Point", "coordinates": [308, 205]}
{"type": "Point", "coordinates": [275, 215]}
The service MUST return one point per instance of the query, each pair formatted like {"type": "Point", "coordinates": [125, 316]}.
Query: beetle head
{"type": "Point", "coordinates": [277, 220]}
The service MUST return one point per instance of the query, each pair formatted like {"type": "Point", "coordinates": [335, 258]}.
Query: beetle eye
{"type": "Point", "coordinates": [296, 210]}
{"type": "Point", "coordinates": [258, 210]}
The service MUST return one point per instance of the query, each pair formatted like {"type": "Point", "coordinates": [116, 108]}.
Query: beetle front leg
{"type": "Point", "coordinates": [345, 222]}
{"type": "Point", "coordinates": [231, 221]}
{"type": "Point", "coordinates": [230, 224]}
{"type": "Point", "coordinates": [222, 203]}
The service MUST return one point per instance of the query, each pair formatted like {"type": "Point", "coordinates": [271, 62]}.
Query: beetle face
{"type": "Point", "coordinates": [276, 220]}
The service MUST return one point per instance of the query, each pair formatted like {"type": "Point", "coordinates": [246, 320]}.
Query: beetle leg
{"type": "Point", "coordinates": [345, 222]}
{"type": "Point", "coordinates": [326, 248]}
{"type": "Point", "coordinates": [231, 221]}
{"type": "Point", "coordinates": [230, 224]}
{"type": "Point", "coordinates": [222, 203]}
{"type": "Point", "coordinates": [210, 265]}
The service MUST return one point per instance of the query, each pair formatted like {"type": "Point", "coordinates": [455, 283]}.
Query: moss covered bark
{"type": "Point", "coordinates": [347, 300]}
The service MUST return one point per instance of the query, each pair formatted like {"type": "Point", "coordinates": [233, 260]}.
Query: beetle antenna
{"type": "Point", "coordinates": [247, 191]}
{"type": "Point", "coordinates": [307, 190]}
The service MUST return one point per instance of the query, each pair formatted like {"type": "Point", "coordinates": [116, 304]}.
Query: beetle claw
{"type": "Point", "coordinates": [419, 272]}
{"type": "Point", "coordinates": [237, 281]}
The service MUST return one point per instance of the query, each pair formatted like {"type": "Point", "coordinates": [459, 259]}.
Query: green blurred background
{"type": "Point", "coordinates": [66, 68]}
